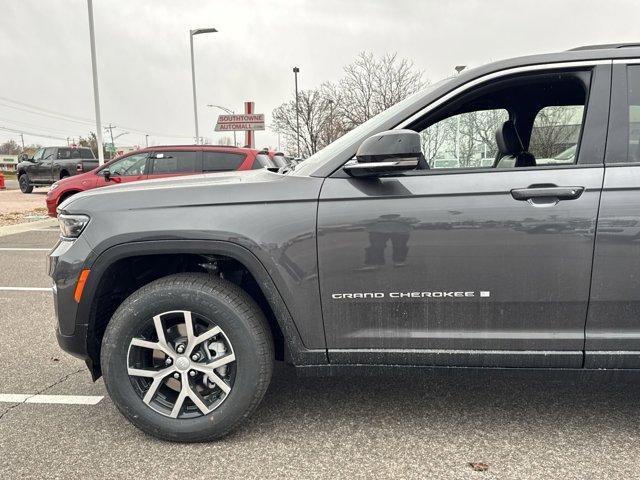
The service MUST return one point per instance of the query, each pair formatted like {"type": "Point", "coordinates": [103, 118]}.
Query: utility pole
{"type": "Point", "coordinates": [22, 139]}
{"type": "Point", "coordinates": [146, 139]}
{"type": "Point", "coordinates": [110, 128]}
{"type": "Point", "coordinates": [295, 74]}
{"type": "Point", "coordinates": [96, 96]}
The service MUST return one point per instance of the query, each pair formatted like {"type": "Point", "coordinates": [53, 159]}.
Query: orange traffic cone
{"type": "Point", "coordinates": [2, 187]}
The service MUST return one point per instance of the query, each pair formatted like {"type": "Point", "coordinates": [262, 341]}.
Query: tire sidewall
{"type": "Point", "coordinates": [127, 322]}
{"type": "Point", "coordinates": [23, 182]}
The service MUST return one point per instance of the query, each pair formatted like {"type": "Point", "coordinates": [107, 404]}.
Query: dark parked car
{"type": "Point", "coordinates": [157, 162]}
{"type": "Point", "coordinates": [183, 292]}
{"type": "Point", "coordinates": [50, 164]}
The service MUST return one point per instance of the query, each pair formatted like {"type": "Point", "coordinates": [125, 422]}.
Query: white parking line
{"type": "Point", "coordinates": [50, 399]}
{"type": "Point", "coordinates": [25, 289]}
{"type": "Point", "coordinates": [14, 249]}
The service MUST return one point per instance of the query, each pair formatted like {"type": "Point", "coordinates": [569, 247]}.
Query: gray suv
{"type": "Point", "coordinates": [183, 292]}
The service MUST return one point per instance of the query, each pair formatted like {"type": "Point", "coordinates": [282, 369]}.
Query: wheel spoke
{"type": "Point", "coordinates": [213, 376]}
{"type": "Point", "coordinates": [193, 343]}
{"type": "Point", "coordinates": [157, 322]}
{"type": "Point", "coordinates": [137, 372]}
{"type": "Point", "coordinates": [184, 392]}
{"type": "Point", "coordinates": [199, 402]}
{"type": "Point", "coordinates": [157, 380]}
{"type": "Point", "coordinates": [188, 323]}
{"type": "Point", "coordinates": [221, 361]}
{"type": "Point", "coordinates": [139, 342]}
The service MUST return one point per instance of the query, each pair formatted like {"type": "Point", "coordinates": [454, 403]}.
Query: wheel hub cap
{"type": "Point", "coordinates": [183, 364]}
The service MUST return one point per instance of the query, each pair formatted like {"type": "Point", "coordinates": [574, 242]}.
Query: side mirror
{"type": "Point", "coordinates": [387, 152]}
{"type": "Point", "coordinates": [107, 175]}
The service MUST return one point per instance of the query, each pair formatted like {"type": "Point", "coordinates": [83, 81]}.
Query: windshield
{"type": "Point", "coordinates": [321, 156]}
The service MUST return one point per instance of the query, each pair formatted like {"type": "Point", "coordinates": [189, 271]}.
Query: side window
{"type": "Point", "coordinates": [262, 161]}
{"type": "Point", "coordinates": [466, 140]}
{"type": "Point", "coordinates": [221, 161]}
{"type": "Point", "coordinates": [86, 153]}
{"type": "Point", "coordinates": [175, 162]}
{"type": "Point", "coordinates": [39, 154]}
{"type": "Point", "coordinates": [555, 134]}
{"type": "Point", "coordinates": [49, 154]}
{"type": "Point", "coordinates": [633, 96]}
{"type": "Point", "coordinates": [130, 166]}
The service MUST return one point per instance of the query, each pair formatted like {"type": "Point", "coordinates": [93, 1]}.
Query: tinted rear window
{"type": "Point", "coordinates": [221, 161]}
{"type": "Point", "coordinates": [75, 153]}
{"type": "Point", "coordinates": [175, 162]}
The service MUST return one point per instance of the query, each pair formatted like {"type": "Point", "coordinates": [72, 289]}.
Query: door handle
{"type": "Point", "coordinates": [548, 191]}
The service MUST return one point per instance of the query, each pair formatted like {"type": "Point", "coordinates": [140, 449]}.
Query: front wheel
{"type": "Point", "coordinates": [25, 184]}
{"type": "Point", "coordinates": [187, 358]}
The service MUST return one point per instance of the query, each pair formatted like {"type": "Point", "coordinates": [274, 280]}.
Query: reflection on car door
{"type": "Point", "coordinates": [459, 268]}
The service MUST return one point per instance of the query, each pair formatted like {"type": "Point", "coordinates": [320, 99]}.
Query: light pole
{"type": "Point", "coordinates": [295, 74]}
{"type": "Point", "coordinates": [228, 110]}
{"type": "Point", "coordinates": [96, 96]}
{"type": "Point", "coordinates": [146, 139]}
{"type": "Point", "coordinates": [197, 31]}
{"type": "Point", "coordinates": [458, 69]}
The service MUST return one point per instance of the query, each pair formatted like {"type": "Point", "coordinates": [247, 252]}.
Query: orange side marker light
{"type": "Point", "coordinates": [82, 279]}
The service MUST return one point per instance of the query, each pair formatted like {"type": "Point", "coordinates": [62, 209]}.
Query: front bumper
{"type": "Point", "coordinates": [52, 205]}
{"type": "Point", "coordinates": [66, 261]}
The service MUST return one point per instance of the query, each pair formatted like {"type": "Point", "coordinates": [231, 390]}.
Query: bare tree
{"type": "Point", "coordinates": [10, 147]}
{"type": "Point", "coordinates": [371, 85]}
{"type": "Point", "coordinates": [434, 139]}
{"type": "Point", "coordinates": [554, 130]}
{"type": "Point", "coordinates": [316, 112]}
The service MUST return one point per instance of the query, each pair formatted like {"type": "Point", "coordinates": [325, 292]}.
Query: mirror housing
{"type": "Point", "coordinates": [106, 173]}
{"type": "Point", "coordinates": [386, 152]}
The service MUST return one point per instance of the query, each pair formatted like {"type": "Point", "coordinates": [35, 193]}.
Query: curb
{"type": "Point", "coordinates": [25, 227]}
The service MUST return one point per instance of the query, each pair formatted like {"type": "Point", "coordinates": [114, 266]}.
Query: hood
{"type": "Point", "coordinates": [250, 186]}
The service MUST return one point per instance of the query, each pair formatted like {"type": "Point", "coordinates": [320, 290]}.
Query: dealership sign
{"type": "Point", "coordinates": [246, 122]}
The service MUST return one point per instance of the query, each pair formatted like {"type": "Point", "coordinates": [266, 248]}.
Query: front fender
{"type": "Point", "coordinates": [298, 353]}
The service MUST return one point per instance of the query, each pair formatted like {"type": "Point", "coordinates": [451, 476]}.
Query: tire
{"type": "Point", "coordinates": [63, 175]}
{"type": "Point", "coordinates": [244, 335]}
{"type": "Point", "coordinates": [25, 184]}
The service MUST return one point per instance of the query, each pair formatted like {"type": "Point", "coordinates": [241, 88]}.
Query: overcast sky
{"type": "Point", "coordinates": [143, 53]}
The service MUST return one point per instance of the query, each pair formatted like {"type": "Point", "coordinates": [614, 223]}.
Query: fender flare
{"type": "Point", "coordinates": [295, 350]}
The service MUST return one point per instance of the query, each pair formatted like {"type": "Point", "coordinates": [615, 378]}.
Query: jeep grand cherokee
{"type": "Point", "coordinates": [182, 293]}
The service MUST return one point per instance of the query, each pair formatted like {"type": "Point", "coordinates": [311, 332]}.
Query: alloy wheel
{"type": "Point", "coordinates": [181, 364]}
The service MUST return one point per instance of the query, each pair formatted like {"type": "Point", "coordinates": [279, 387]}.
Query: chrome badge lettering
{"type": "Point", "coordinates": [409, 295]}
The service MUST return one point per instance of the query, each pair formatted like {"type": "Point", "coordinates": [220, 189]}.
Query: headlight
{"type": "Point", "coordinates": [71, 226]}
{"type": "Point", "coordinates": [54, 186]}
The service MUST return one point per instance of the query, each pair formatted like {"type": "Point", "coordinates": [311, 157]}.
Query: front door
{"type": "Point", "coordinates": [485, 258]}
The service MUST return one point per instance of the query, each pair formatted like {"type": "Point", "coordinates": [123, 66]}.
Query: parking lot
{"type": "Point", "coordinates": [416, 424]}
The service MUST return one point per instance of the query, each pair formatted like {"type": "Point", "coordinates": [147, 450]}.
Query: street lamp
{"type": "Point", "coordinates": [295, 74]}
{"type": "Point", "coordinates": [94, 71]}
{"type": "Point", "coordinates": [227, 110]}
{"type": "Point", "coordinates": [458, 69]}
{"type": "Point", "coordinates": [197, 31]}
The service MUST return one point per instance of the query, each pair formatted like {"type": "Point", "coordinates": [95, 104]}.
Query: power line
{"type": "Point", "coordinates": [13, 130]}
{"type": "Point", "coordinates": [75, 119]}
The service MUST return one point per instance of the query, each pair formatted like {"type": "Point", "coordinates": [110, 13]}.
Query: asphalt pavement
{"type": "Point", "coordinates": [415, 424]}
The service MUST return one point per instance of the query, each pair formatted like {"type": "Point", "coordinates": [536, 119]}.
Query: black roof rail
{"type": "Point", "coordinates": [606, 46]}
